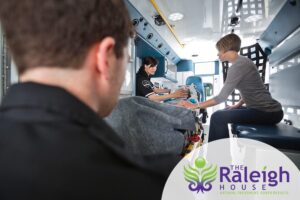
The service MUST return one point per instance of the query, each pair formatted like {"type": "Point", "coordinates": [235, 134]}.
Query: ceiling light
{"type": "Point", "coordinates": [175, 17]}
{"type": "Point", "coordinates": [188, 39]}
{"type": "Point", "coordinates": [253, 18]}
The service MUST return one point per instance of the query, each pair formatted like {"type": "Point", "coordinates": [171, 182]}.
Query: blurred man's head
{"type": "Point", "coordinates": [70, 35]}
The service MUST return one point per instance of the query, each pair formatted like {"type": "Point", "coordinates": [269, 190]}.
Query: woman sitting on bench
{"type": "Point", "coordinates": [261, 108]}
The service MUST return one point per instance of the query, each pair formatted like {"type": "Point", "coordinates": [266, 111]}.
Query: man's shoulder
{"type": "Point", "coordinates": [93, 152]}
{"type": "Point", "coordinates": [65, 137]}
{"type": "Point", "coordinates": [69, 156]}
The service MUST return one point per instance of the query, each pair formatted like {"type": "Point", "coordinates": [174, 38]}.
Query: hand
{"type": "Point", "coordinates": [180, 93]}
{"type": "Point", "coordinates": [232, 107]}
{"type": "Point", "coordinates": [187, 104]}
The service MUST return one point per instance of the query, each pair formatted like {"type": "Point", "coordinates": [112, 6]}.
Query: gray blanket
{"type": "Point", "coordinates": [149, 127]}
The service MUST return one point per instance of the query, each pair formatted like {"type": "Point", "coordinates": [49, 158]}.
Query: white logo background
{"type": "Point", "coordinates": [237, 152]}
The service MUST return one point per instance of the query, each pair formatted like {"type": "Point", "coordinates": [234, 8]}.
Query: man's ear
{"type": "Point", "coordinates": [106, 56]}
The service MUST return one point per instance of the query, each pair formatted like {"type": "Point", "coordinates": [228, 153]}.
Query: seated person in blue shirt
{"type": "Point", "coordinates": [145, 88]}
{"type": "Point", "coordinates": [243, 75]}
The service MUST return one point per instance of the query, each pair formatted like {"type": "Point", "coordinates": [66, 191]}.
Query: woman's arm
{"type": "Point", "coordinates": [181, 93]}
{"type": "Point", "coordinates": [205, 104]}
{"type": "Point", "coordinates": [159, 90]}
{"type": "Point", "coordinates": [239, 104]}
{"type": "Point", "coordinates": [155, 97]}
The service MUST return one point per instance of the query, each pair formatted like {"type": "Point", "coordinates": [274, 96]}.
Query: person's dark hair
{"type": "Point", "coordinates": [230, 42]}
{"type": "Point", "coordinates": [59, 33]}
{"type": "Point", "coordinates": [148, 61]}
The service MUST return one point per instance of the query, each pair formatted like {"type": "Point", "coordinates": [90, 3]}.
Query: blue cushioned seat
{"type": "Point", "coordinates": [197, 81]}
{"type": "Point", "coordinates": [280, 136]}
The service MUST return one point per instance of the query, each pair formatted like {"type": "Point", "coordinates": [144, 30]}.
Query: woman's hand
{"type": "Point", "coordinates": [187, 104]}
{"type": "Point", "coordinates": [205, 104]}
{"type": "Point", "coordinates": [233, 107]}
{"type": "Point", "coordinates": [180, 93]}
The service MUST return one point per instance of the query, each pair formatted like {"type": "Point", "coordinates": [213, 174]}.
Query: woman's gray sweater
{"type": "Point", "coordinates": [243, 76]}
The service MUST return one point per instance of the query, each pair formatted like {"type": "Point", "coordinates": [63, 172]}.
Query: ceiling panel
{"type": "Point", "coordinates": [205, 21]}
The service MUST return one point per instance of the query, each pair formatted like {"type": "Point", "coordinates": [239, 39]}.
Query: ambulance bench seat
{"type": "Point", "coordinates": [280, 136]}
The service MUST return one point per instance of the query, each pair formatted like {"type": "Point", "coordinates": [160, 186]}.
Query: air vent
{"type": "Point", "coordinates": [160, 45]}
{"type": "Point", "coordinates": [146, 24]}
{"type": "Point", "coordinates": [135, 22]}
{"type": "Point", "coordinates": [168, 53]}
{"type": "Point", "coordinates": [149, 36]}
{"type": "Point", "coordinates": [141, 19]}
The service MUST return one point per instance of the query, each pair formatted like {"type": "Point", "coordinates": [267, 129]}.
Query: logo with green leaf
{"type": "Point", "coordinates": [200, 175]}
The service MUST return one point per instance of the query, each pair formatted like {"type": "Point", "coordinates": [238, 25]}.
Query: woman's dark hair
{"type": "Point", "coordinates": [148, 61]}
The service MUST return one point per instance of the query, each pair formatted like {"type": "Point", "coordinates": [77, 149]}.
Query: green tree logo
{"type": "Point", "coordinates": [200, 176]}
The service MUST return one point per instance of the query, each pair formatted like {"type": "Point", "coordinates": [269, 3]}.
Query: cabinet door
{"type": "Point", "coordinates": [5, 66]}
{"type": "Point", "coordinates": [128, 85]}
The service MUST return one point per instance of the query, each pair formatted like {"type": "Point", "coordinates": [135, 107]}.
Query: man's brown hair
{"type": "Point", "coordinates": [60, 32]}
{"type": "Point", "coordinates": [230, 42]}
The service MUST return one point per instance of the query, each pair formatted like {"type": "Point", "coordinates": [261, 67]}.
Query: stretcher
{"type": "Point", "coordinates": [194, 139]}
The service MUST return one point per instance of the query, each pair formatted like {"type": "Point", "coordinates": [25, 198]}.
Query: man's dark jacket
{"type": "Point", "coordinates": [53, 146]}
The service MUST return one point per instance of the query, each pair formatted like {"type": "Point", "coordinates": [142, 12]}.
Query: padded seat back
{"type": "Point", "coordinates": [197, 81]}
